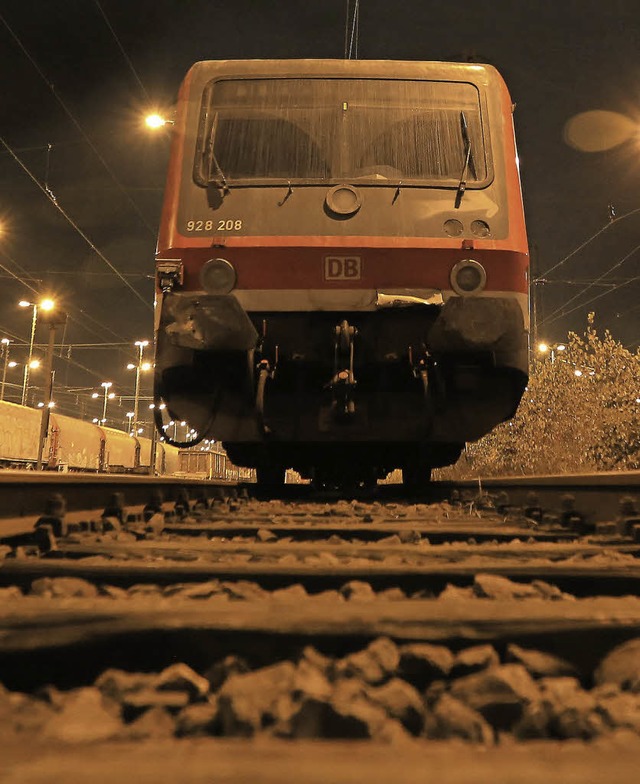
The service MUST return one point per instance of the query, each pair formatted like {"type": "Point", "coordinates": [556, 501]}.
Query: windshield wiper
{"type": "Point", "coordinates": [220, 180]}
{"type": "Point", "coordinates": [468, 161]}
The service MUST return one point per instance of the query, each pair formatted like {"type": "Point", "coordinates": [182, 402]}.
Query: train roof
{"type": "Point", "coordinates": [476, 73]}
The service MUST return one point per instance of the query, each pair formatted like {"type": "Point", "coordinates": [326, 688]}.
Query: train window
{"type": "Point", "coordinates": [370, 130]}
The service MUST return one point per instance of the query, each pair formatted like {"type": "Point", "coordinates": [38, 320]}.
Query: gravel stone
{"type": "Point", "coordinates": [220, 671]}
{"type": "Point", "coordinates": [180, 677]}
{"type": "Point", "coordinates": [319, 660]}
{"type": "Point", "coordinates": [117, 683]}
{"type": "Point", "coordinates": [621, 666]}
{"type": "Point", "coordinates": [10, 593]}
{"type": "Point", "coordinates": [538, 663]}
{"type": "Point", "coordinates": [155, 524]}
{"type": "Point", "coordinates": [85, 716]}
{"type": "Point", "coordinates": [495, 586]}
{"type": "Point", "coordinates": [247, 701]}
{"type": "Point", "coordinates": [292, 593]}
{"type": "Point", "coordinates": [474, 659]}
{"type": "Point", "coordinates": [316, 718]}
{"type": "Point", "coordinates": [145, 589]}
{"type": "Point", "coordinates": [113, 592]}
{"type": "Point", "coordinates": [421, 662]}
{"type": "Point", "coordinates": [265, 535]}
{"type": "Point", "coordinates": [154, 723]}
{"type": "Point", "coordinates": [376, 663]}
{"type": "Point", "coordinates": [63, 587]}
{"type": "Point", "coordinates": [621, 710]}
{"type": "Point", "coordinates": [199, 719]}
{"type": "Point", "coordinates": [196, 590]}
{"type": "Point", "coordinates": [393, 539]}
{"type": "Point", "coordinates": [311, 681]}
{"type": "Point", "coordinates": [22, 713]}
{"type": "Point", "coordinates": [136, 702]}
{"type": "Point", "coordinates": [392, 595]}
{"type": "Point", "coordinates": [410, 537]}
{"type": "Point", "coordinates": [401, 702]}
{"type": "Point", "coordinates": [328, 596]}
{"type": "Point", "coordinates": [571, 710]}
{"type": "Point", "coordinates": [455, 592]}
{"type": "Point", "coordinates": [357, 590]}
{"type": "Point", "coordinates": [452, 718]}
{"type": "Point", "coordinates": [348, 715]}
{"type": "Point", "coordinates": [244, 589]}
{"type": "Point", "coordinates": [500, 694]}
{"type": "Point", "coordinates": [548, 591]}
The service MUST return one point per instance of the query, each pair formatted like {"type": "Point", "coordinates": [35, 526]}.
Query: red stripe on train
{"type": "Point", "coordinates": [380, 268]}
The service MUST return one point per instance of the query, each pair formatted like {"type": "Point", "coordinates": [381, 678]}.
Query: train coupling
{"type": "Point", "coordinates": [343, 384]}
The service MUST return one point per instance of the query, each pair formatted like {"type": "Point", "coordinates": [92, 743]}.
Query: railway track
{"type": "Point", "coordinates": [505, 621]}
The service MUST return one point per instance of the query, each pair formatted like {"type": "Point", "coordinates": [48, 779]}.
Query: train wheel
{"type": "Point", "coordinates": [270, 476]}
{"type": "Point", "coordinates": [416, 477]}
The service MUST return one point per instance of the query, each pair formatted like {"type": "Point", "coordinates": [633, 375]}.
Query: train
{"type": "Point", "coordinates": [342, 265]}
{"type": "Point", "coordinates": [75, 445]}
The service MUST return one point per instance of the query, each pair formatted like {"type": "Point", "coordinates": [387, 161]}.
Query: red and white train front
{"type": "Point", "coordinates": [342, 264]}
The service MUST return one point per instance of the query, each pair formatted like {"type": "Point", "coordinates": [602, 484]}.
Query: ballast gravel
{"type": "Point", "coordinates": [385, 691]}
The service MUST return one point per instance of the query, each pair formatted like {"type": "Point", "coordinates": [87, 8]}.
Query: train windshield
{"type": "Point", "coordinates": [320, 130]}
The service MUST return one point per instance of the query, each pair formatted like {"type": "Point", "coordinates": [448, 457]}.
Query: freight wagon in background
{"type": "Point", "coordinates": [211, 462]}
{"type": "Point", "coordinates": [74, 445]}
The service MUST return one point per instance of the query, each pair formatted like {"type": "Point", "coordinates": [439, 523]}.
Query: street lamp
{"type": "Point", "coordinates": [546, 348]}
{"type": "Point", "coordinates": [106, 386]}
{"type": "Point", "coordinates": [45, 304]}
{"type": "Point", "coordinates": [140, 367]}
{"type": "Point", "coordinates": [5, 352]}
{"type": "Point", "coordinates": [155, 121]}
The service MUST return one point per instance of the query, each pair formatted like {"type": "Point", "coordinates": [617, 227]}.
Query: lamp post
{"type": "Point", "coordinates": [545, 348]}
{"type": "Point", "coordinates": [106, 397]}
{"type": "Point", "coordinates": [54, 320]}
{"type": "Point", "coordinates": [45, 304]}
{"type": "Point", "coordinates": [5, 351]}
{"type": "Point", "coordinates": [140, 367]}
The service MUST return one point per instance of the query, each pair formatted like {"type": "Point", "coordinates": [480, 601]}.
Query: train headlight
{"type": "Point", "coordinates": [468, 277]}
{"type": "Point", "coordinates": [218, 276]}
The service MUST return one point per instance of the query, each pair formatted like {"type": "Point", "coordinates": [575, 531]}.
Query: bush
{"type": "Point", "coordinates": [580, 412]}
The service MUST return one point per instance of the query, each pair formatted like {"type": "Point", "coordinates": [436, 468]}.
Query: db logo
{"type": "Point", "coordinates": [342, 268]}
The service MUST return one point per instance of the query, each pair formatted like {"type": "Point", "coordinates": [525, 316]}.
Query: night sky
{"type": "Point", "coordinates": [79, 75]}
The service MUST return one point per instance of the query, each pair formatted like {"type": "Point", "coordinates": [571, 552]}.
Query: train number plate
{"type": "Point", "coordinates": [342, 267]}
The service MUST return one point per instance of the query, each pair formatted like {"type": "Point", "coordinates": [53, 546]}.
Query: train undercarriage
{"type": "Point", "coordinates": [343, 398]}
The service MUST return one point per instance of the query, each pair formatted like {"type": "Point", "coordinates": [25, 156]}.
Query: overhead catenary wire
{"type": "Point", "coordinates": [561, 312]}
{"type": "Point", "coordinates": [123, 51]}
{"type": "Point", "coordinates": [353, 22]}
{"type": "Point", "coordinates": [587, 241]}
{"type": "Point", "coordinates": [71, 116]}
{"type": "Point", "coordinates": [24, 282]}
{"type": "Point", "coordinates": [70, 220]}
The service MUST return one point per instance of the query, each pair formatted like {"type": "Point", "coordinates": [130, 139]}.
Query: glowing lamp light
{"type": "Point", "coordinates": [34, 364]}
{"type": "Point", "coordinates": [154, 121]}
{"type": "Point", "coordinates": [577, 373]}
{"type": "Point", "coordinates": [543, 348]}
